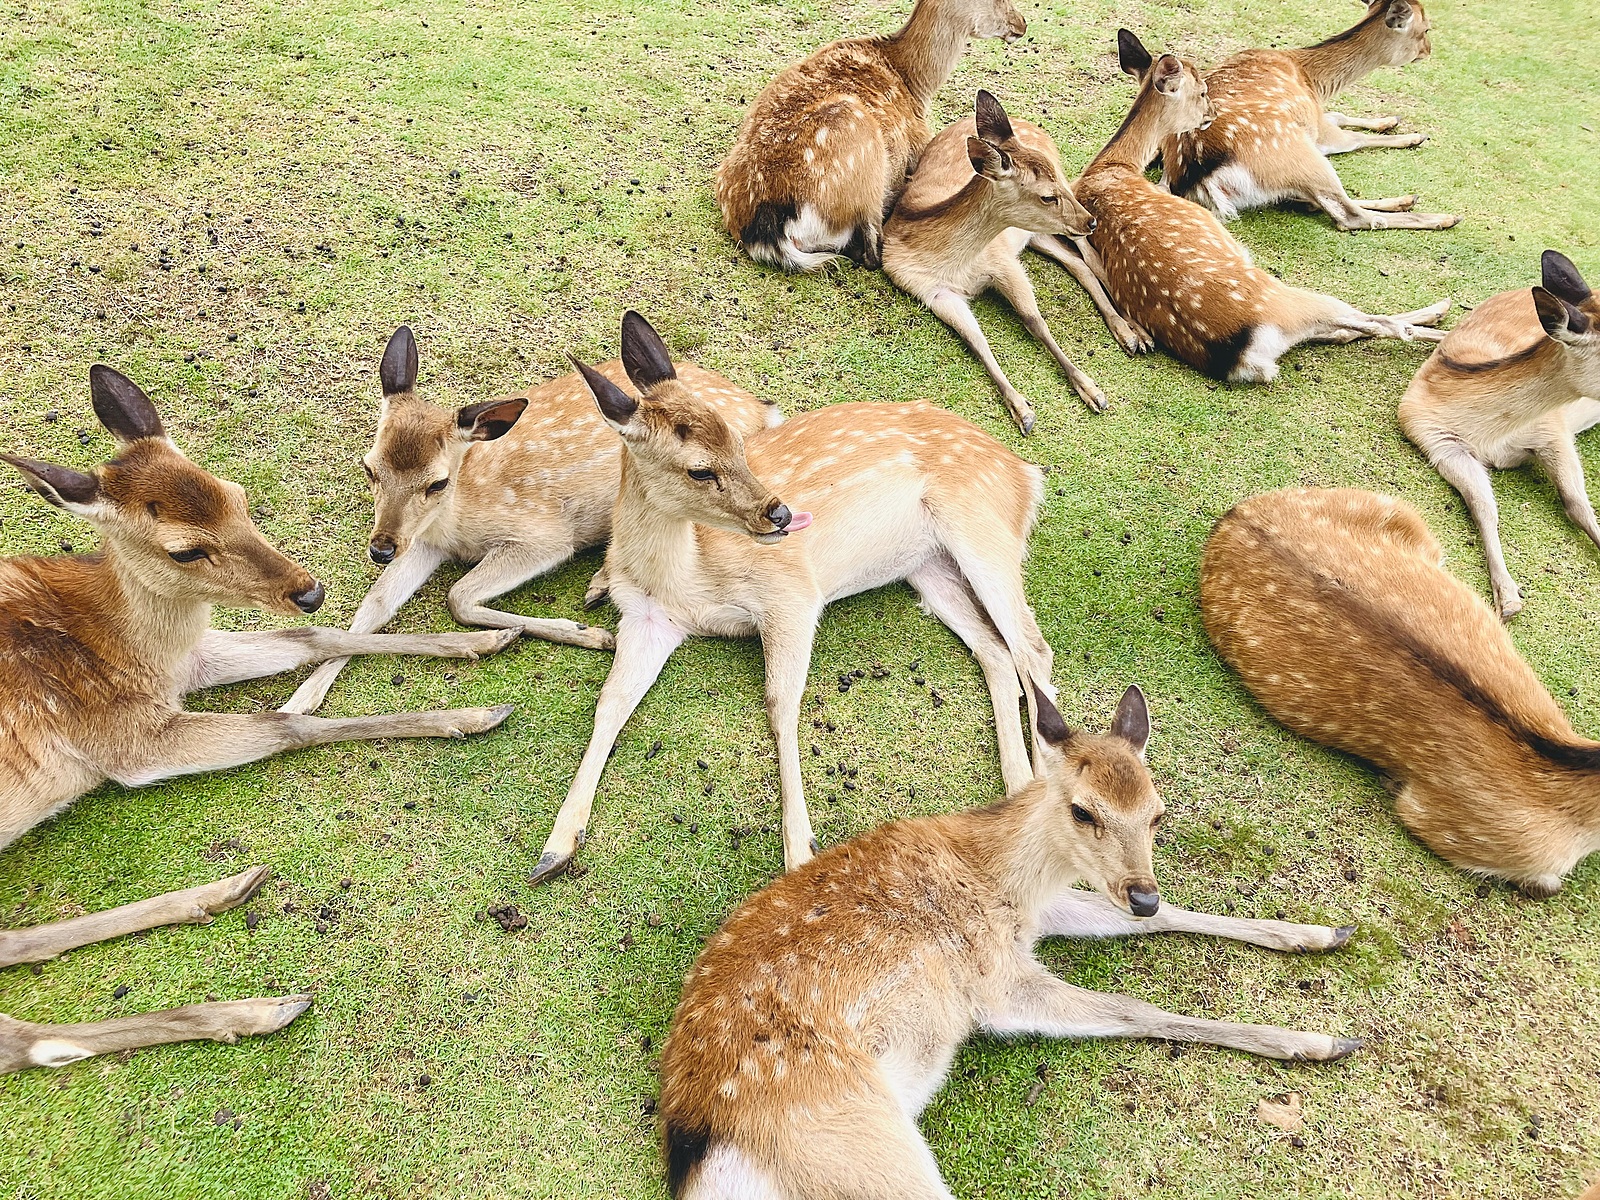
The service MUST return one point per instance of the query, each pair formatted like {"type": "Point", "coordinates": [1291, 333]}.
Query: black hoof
{"type": "Point", "coordinates": [1344, 1048]}
{"type": "Point", "coordinates": [1342, 935]}
{"type": "Point", "coordinates": [550, 865]}
{"type": "Point", "coordinates": [816, 846]}
{"type": "Point", "coordinates": [593, 600]}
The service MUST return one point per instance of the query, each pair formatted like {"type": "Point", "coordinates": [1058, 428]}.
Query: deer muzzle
{"type": "Point", "coordinates": [381, 549]}
{"type": "Point", "coordinates": [1143, 898]}
{"type": "Point", "coordinates": [311, 599]}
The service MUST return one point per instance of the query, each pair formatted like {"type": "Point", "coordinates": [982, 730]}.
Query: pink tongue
{"type": "Point", "coordinates": [797, 521]}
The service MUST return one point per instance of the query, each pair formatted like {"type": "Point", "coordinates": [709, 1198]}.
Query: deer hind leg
{"type": "Point", "coordinates": [868, 1148]}
{"type": "Point", "coordinates": [1323, 187]}
{"type": "Point", "coordinates": [956, 311]}
{"type": "Point", "coordinates": [1131, 336]}
{"type": "Point", "coordinates": [786, 643]}
{"type": "Point", "coordinates": [1082, 914]}
{"type": "Point", "coordinates": [944, 593]}
{"type": "Point", "coordinates": [1041, 1004]}
{"type": "Point", "coordinates": [1011, 281]}
{"type": "Point", "coordinates": [1374, 124]}
{"type": "Point", "coordinates": [1561, 462]}
{"type": "Point", "coordinates": [1338, 137]}
{"type": "Point", "coordinates": [24, 1044]}
{"type": "Point", "coordinates": [506, 567]}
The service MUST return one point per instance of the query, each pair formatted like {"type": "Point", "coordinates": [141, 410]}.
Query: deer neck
{"type": "Point", "coordinates": [147, 629]}
{"type": "Point", "coordinates": [957, 229]}
{"type": "Point", "coordinates": [1136, 143]}
{"type": "Point", "coordinates": [1012, 843]}
{"type": "Point", "coordinates": [1335, 64]}
{"type": "Point", "coordinates": [926, 51]}
{"type": "Point", "coordinates": [655, 548]}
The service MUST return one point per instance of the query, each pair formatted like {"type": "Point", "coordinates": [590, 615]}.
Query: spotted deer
{"type": "Point", "coordinates": [1517, 379]}
{"type": "Point", "coordinates": [824, 1014]}
{"type": "Point", "coordinates": [516, 486]}
{"type": "Point", "coordinates": [1172, 269]}
{"type": "Point", "coordinates": [1272, 134]}
{"type": "Point", "coordinates": [985, 189]}
{"type": "Point", "coordinates": [705, 543]}
{"type": "Point", "coordinates": [825, 149]}
{"type": "Point", "coordinates": [1335, 610]}
{"type": "Point", "coordinates": [96, 654]}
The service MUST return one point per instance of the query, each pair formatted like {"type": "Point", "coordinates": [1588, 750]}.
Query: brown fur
{"type": "Point", "coordinates": [825, 149]}
{"type": "Point", "coordinates": [1512, 384]}
{"type": "Point", "coordinates": [1272, 134]}
{"type": "Point", "coordinates": [1335, 609]}
{"type": "Point", "coordinates": [1170, 266]}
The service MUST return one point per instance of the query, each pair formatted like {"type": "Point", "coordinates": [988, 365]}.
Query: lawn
{"type": "Point", "coordinates": [237, 203]}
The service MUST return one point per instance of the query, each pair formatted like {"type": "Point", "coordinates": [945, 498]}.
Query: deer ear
{"type": "Point", "coordinates": [645, 356]}
{"type": "Point", "coordinates": [1561, 321]}
{"type": "Point", "coordinates": [489, 420]}
{"type": "Point", "coordinates": [61, 486]}
{"type": "Point", "coordinates": [1399, 14]}
{"type": "Point", "coordinates": [1132, 57]}
{"type": "Point", "coordinates": [993, 124]}
{"type": "Point", "coordinates": [1048, 723]}
{"type": "Point", "coordinates": [122, 406]}
{"type": "Point", "coordinates": [616, 406]}
{"type": "Point", "coordinates": [1167, 75]}
{"type": "Point", "coordinates": [1131, 722]}
{"type": "Point", "coordinates": [1561, 278]}
{"type": "Point", "coordinates": [398, 370]}
{"type": "Point", "coordinates": [989, 161]}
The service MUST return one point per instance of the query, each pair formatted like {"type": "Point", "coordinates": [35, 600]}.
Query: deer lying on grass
{"type": "Point", "coordinates": [96, 653]}
{"type": "Point", "coordinates": [1333, 607]}
{"type": "Point", "coordinates": [516, 485]}
{"type": "Point", "coordinates": [825, 149]}
{"type": "Point", "coordinates": [825, 1013]}
{"type": "Point", "coordinates": [985, 189]}
{"type": "Point", "coordinates": [1171, 267]}
{"type": "Point", "coordinates": [1518, 378]}
{"type": "Point", "coordinates": [703, 545]}
{"type": "Point", "coordinates": [1272, 134]}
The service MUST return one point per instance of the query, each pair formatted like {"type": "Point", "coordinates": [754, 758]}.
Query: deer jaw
{"type": "Point", "coordinates": [996, 19]}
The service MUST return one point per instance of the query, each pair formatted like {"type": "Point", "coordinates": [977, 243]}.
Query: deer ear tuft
{"type": "Point", "coordinates": [398, 370]}
{"type": "Point", "coordinates": [993, 124]}
{"type": "Point", "coordinates": [1131, 721]}
{"type": "Point", "coordinates": [1560, 277]}
{"type": "Point", "coordinates": [987, 159]}
{"type": "Point", "coordinates": [61, 486]}
{"type": "Point", "coordinates": [616, 406]}
{"type": "Point", "coordinates": [122, 406]}
{"type": "Point", "coordinates": [489, 420]}
{"type": "Point", "coordinates": [645, 356]}
{"type": "Point", "coordinates": [1132, 57]}
{"type": "Point", "coordinates": [1048, 722]}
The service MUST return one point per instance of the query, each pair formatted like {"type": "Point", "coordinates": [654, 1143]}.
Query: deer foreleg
{"type": "Point", "coordinates": [786, 643]}
{"type": "Point", "coordinates": [645, 640]}
{"type": "Point", "coordinates": [506, 567]}
{"type": "Point", "coordinates": [1083, 914]}
{"type": "Point", "coordinates": [1041, 1004]}
{"type": "Point", "coordinates": [1375, 124]}
{"type": "Point", "coordinates": [1565, 468]}
{"type": "Point", "coordinates": [1013, 283]}
{"type": "Point", "coordinates": [225, 657]}
{"type": "Point", "coordinates": [1462, 471]}
{"type": "Point", "coordinates": [955, 311]}
{"type": "Point", "coordinates": [398, 583]}
{"type": "Point", "coordinates": [1131, 336]}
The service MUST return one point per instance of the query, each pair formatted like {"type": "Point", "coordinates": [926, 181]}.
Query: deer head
{"type": "Point", "coordinates": [417, 453]}
{"type": "Point", "coordinates": [175, 529]}
{"type": "Point", "coordinates": [1029, 190]}
{"type": "Point", "coordinates": [1399, 28]}
{"type": "Point", "coordinates": [690, 462]}
{"type": "Point", "coordinates": [1169, 86]}
{"type": "Point", "coordinates": [994, 19]}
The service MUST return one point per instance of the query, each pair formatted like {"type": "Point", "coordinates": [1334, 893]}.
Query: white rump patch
{"type": "Point", "coordinates": [727, 1174]}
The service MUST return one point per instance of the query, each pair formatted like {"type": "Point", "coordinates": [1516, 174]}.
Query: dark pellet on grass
{"type": "Point", "coordinates": [252, 920]}
{"type": "Point", "coordinates": [702, 764]}
{"type": "Point", "coordinates": [121, 990]}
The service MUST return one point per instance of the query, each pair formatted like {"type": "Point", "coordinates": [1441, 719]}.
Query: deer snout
{"type": "Point", "coordinates": [779, 515]}
{"type": "Point", "coordinates": [381, 549]}
{"type": "Point", "coordinates": [311, 599]}
{"type": "Point", "coordinates": [1143, 898]}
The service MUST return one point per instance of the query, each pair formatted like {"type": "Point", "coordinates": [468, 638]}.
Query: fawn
{"type": "Point", "coordinates": [1271, 136]}
{"type": "Point", "coordinates": [1334, 608]}
{"type": "Point", "coordinates": [985, 188]}
{"type": "Point", "coordinates": [516, 485]}
{"type": "Point", "coordinates": [1172, 269]}
{"type": "Point", "coordinates": [1518, 378]}
{"type": "Point", "coordinates": [702, 544]}
{"type": "Point", "coordinates": [825, 1013]}
{"type": "Point", "coordinates": [96, 653]}
{"type": "Point", "coordinates": [826, 147]}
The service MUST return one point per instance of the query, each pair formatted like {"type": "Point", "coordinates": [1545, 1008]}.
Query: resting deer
{"type": "Point", "coordinates": [825, 1013]}
{"type": "Point", "coordinates": [516, 486]}
{"type": "Point", "coordinates": [1272, 134]}
{"type": "Point", "coordinates": [1517, 379]}
{"type": "Point", "coordinates": [985, 189]}
{"type": "Point", "coordinates": [96, 653]}
{"type": "Point", "coordinates": [702, 544]}
{"type": "Point", "coordinates": [825, 149]}
{"type": "Point", "coordinates": [1334, 608]}
{"type": "Point", "coordinates": [1171, 267]}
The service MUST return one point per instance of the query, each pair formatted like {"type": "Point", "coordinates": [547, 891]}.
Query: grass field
{"type": "Point", "coordinates": [236, 204]}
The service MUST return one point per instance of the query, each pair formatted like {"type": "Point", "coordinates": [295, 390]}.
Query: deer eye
{"type": "Point", "coordinates": [371, 477]}
{"type": "Point", "coordinates": [1157, 822]}
{"type": "Point", "coordinates": [702, 474]}
{"type": "Point", "coordinates": [188, 556]}
{"type": "Point", "coordinates": [437, 486]}
{"type": "Point", "coordinates": [1051, 199]}
{"type": "Point", "coordinates": [1082, 815]}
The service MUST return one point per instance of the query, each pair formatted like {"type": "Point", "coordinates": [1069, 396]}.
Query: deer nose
{"type": "Point", "coordinates": [381, 550]}
{"type": "Point", "coordinates": [1143, 903]}
{"type": "Point", "coordinates": [311, 599]}
{"type": "Point", "coordinates": [780, 516]}
{"type": "Point", "coordinates": [1093, 224]}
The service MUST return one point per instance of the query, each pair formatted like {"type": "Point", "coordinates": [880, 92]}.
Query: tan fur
{"type": "Point", "coordinates": [1502, 390]}
{"type": "Point", "coordinates": [1272, 133]}
{"type": "Point", "coordinates": [1171, 267]}
{"type": "Point", "coordinates": [985, 188]}
{"type": "Point", "coordinates": [824, 1014]}
{"type": "Point", "coordinates": [1335, 609]}
{"type": "Point", "coordinates": [824, 150]}
{"type": "Point", "coordinates": [898, 491]}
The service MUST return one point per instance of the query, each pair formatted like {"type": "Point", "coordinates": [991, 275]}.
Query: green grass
{"type": "Point", "coordinates": [508, 178]}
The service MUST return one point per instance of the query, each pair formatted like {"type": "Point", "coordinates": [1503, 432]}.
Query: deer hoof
{"type": "Point", "coordinates": [595, 597]}
{"type": "Point", "coordinates": [550, 865]}
{"type": "Point", "coordinates": [236, 889]}
{"type": "Point", "coordinates": [1344, 1048]}
{"type": "Point", "coordinates": [1341, 935]}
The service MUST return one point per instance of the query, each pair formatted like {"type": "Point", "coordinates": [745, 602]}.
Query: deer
{"type": "Point", "coordinates": [516, 486]}
{"type": "Point", "coordinates": [1272, 135]}
{"type": "Point", "coordinates": [1517, 379]}
{"type": "Point", "coordinates": [703, 545]}
{"type": "Point", "coordinates": [96, 654]}
{"type": "Point", "coordinates": [824, 1014]}
{"type": "Point", "coordinates": [985, 189]}
{"type": "Point", "coordinates": [1336, 611]}
{"type": "Point", "coordinates": [824, 150]}
{"type": "Point", "coordinates": [1173, 269]}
